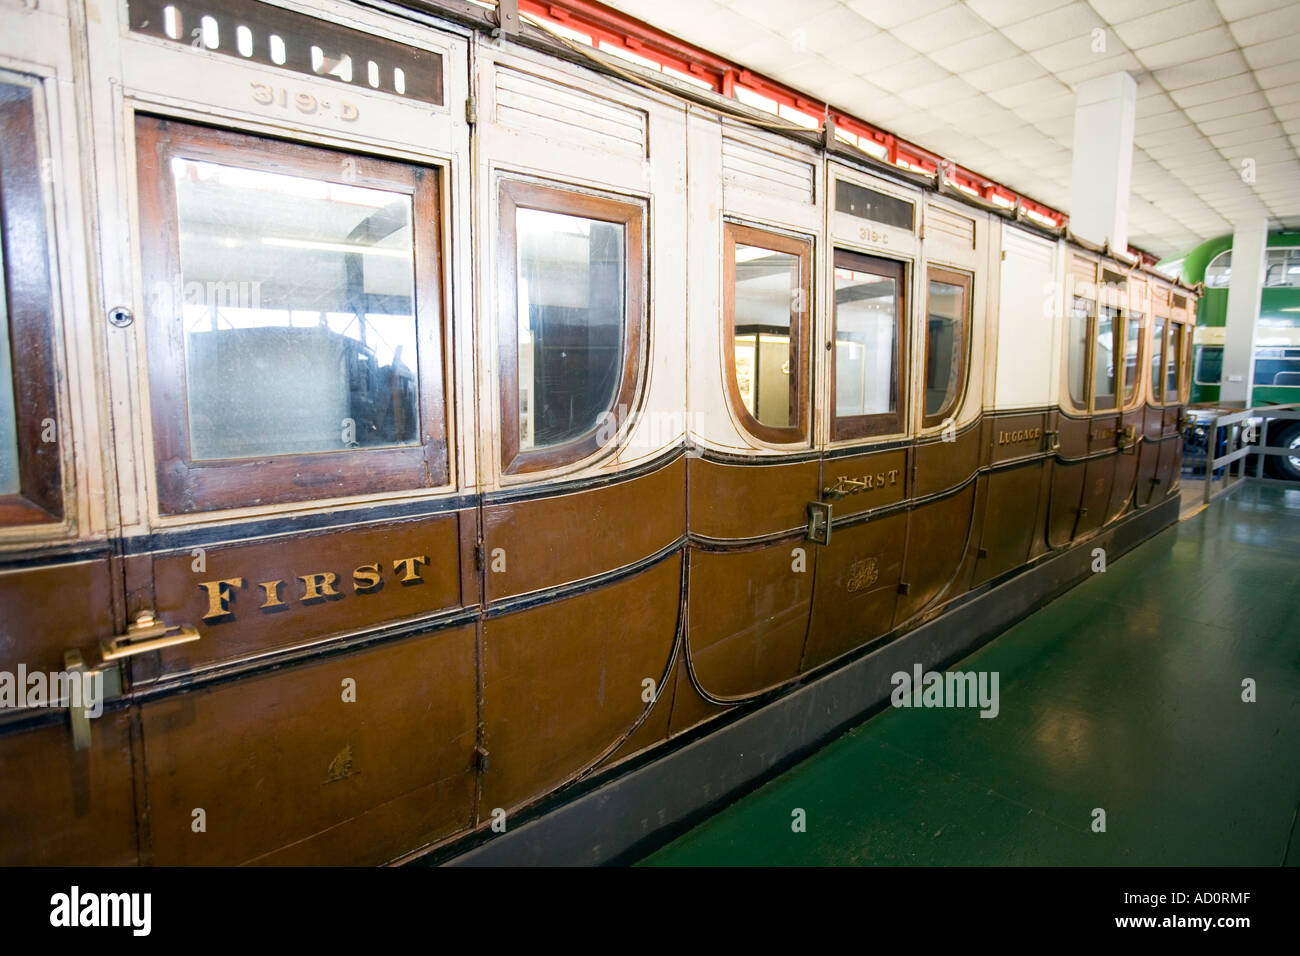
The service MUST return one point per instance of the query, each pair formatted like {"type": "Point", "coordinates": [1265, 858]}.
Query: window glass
{"type": "Point", "coordinates": [10, 480]}
{"type": "Point", "coordinates": [1103, 363]}
{"type": "Point", "coordinates": [1209, 366]}
{"type": "Point", "coordinates": [1157, 345]}
{"type": "Point", "coordinates": [1276, 366]}
{"type": "Point", "coordinates": [1076, 373]}
{"type": "Point", "coordinates": [571, 288]}
{"type": "Point", "coordinates": [1174, 353]}
{"type": "Point", "coordinates": [866, 343]}
{"type": "Point", "coordinates": [298, 309]}
{"type": "Point", "coordinates": [875, 206]}
{"type": "Point", "coordinates": [1134, 327]}
{"type": "Point", "coordinates": [1219, 272]}
{"type": "Point", "coordinates": [1282, 268]}
{"type": "Point", "coordinates": [948, 304]}
{"type": "Point", "coordinates": [766, 285]}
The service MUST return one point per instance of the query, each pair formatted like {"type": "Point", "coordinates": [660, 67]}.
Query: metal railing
{"type": "Point", "coordinates": [1245, 433]}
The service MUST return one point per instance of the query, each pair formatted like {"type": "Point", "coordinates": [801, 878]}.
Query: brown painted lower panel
{"type": "Point", "coordinates": [63, 807]}
{"type": "Point", "coordinates": [282, 761]}
{"type": "Point", "coordinates": [45, 611]}
{"type": "Point", "coordinates": [937, 537]}
{"type": "Point", "coordinates": [749, 616]}
{"type": "Point", "coordinates": [1066, 500]}
{"type": "Point", "coordinates": [563, 682]}
{"type": "Point", "coordinates": [1010, 518]}
{"type": "Point", "coordinates": [857, 587]}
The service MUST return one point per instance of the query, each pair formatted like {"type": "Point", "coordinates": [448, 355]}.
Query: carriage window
{"type": "Point", "coordinates": [864, 203]}
{"type": "Point", "coordinates": [946, 342]}
{"type": "Point", "coordinates": [868, 369]}
{"type": "Point", "coordinates": [298, 310]}
{"type": "Point", "coordinates": [1172, 359]}
{"type": "Point", "coordinates": [766, 294]}
{"type": "Point", "coordinates": [570, 329]}
{"type": "Point", "coordinates": [30, 469]}
{"type": "Point", "coordinates": [294, 312]}
{"type": "Point", "coordinates": [1103, 361]}
{"type": "Point", "coordinates": [1077, 370]}
{"type": "Point", "coordinates": [1209, 365]}
{"type": "Point", "coordinates": [1157, 357]}
{"type": "Point", "coordinates": [1134, 326]}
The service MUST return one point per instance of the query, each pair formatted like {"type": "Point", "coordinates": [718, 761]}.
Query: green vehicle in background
{"type": "Point", "coordinates": [1277, 334]}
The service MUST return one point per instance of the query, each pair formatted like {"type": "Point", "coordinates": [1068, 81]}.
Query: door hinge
{"type": "Point", "coordinates": [480, 759]}
{"type": "Point", "coordinates": [471, 110]}
{"type": "Point", "coordinates": [478, 556]}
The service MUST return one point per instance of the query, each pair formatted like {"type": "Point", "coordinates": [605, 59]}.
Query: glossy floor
{"type": "Point", "coordinates": [1124, 695]}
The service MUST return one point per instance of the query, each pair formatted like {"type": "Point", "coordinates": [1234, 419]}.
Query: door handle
{"type": "Point", "coordinates": [145, 635]}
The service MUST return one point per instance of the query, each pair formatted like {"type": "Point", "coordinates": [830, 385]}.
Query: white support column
{"type": "Point", "coordinates": [1104, 113]}
{"type": "Point", "coordinates": [1249, 240]}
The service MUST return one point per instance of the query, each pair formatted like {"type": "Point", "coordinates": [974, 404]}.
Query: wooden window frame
{"type": "Point", "coordinates": [1158, 395]}
{"type": "Point", "coordinates": [881, 423]}
{"type": "Point", "coordinates": [733, 234]}
{"type": "Point", "coordinates": [1174, 396]}
{"type": "Point", "coordinates": [515, 194]}
{"type": "Point", "coordinates": [1083, 407]}
{"type": "Point", "coordinates": [1094, 326]}
{"type": "Point", "coordinates": [1136, 400]}
{"type": "Point", "coordinates": [30, 298]}
{"type": "Point", "coordinates": [961, 356]}
{"type": "Point", "coordinates": [186, 486]}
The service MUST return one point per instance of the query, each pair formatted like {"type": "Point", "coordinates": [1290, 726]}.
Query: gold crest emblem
{"type": "Point", "coordinates": [862, 574]}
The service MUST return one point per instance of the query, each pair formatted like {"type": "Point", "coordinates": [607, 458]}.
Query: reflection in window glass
{"type": "Point", "coordinates": [1209, 366]}
{"type": "Point", "coordinates": [1103, 367]}
{"type": "Point", "coordinates": [10, 480]}
{"type": "Point", "coordinates": [943, 345]}
{"type": "Point", "coordinates": [866, 357]}
{"type": "Point", "coordinates": [1273, 366]}
{"type": "Point", "coordinates": [299, 313]}
{"type": "Point", "coordinates": [1171, 360]}
{"type": "Point", "coordinates": [1078, 355]}
{"type": "Point", "coordinates": [1132, 343]}
{"type": "Point", "coordinates": [1219, 272]}
{"type": "Point", "coordinates": [766, 284]}
{"type": "Point", "coordinates": [571, 287]}
{"type": "Point", "coordinates": [1157, 343]}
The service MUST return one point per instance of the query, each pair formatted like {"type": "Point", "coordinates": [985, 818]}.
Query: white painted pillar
{"type": "Point", "coordinates": [1105, 109]}
{"type": "Point", "coordinates": [1249, 241]}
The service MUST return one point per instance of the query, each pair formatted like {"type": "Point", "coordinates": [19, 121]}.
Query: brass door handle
{"type": "Point", "coordinates": [145, 635]}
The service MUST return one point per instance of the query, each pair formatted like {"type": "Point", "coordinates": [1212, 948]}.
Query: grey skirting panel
{"type": "Point", "coordinates": [616, 818]}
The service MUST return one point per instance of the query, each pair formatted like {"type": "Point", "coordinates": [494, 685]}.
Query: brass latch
{"type": "Point", "coordinates": [145, 635]}
{"type": "Point", "coordinates": [819, 522]}
{"type": "Point", "coordinates": [1126, 439]}
{"type": "Point", "coordinates": [1051, 440]}
{"type": "Point", "coordinates": [844, 487]}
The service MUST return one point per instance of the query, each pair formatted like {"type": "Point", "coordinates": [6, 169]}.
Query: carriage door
{"type": "Point", "coordinates": [65, 753]}
{"type": "Point", "coordinates": [865, 469]}
{"type": "Point", "coordinates": [584, 509]}
{"type": "Point", "coordinates": [1130, 359]}
{"type": "Point", "coordinates": [300, 636]}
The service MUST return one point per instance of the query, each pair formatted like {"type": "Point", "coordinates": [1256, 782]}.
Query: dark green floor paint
{"type": "Point", "coordinates": [1124, 694]}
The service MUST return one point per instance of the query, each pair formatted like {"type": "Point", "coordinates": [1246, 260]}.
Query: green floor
{"type": "Point", "coordinates": [1125, 695]}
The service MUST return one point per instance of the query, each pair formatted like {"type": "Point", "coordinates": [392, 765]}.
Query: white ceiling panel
{"type": "Point", "coordinates": [990, 85]}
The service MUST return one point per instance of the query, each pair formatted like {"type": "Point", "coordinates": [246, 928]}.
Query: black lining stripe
{"type": "Point", "coordinates": [556, 489]}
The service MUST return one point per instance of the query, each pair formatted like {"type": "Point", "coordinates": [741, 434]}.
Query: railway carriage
{"type": "Point", "coordinates": [413, 422]}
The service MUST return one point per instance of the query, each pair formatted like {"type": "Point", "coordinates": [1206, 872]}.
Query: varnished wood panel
{"type": "Point", "coordinates": [1016, 436]}
{"type": "Point", "coordinates": [749, 616]}
{"type": "Point", "coordinates": [281, 758]}
{"type": "Point", "coordinates": [943, 465]}
{"type": "Point", "coordinates": [545, 542]}
{"type": "Point", "coordinates": [1010, 516]}
{"type": "Point", "coordinates": [45, 611]}
{"type": "Point", "coordinates": [745, 501]}
{"type": "Point", "coordinates": [937, 536]}
{"type": "Point", "coordinates": [63, 807]}
{"type": "Point", "coordinates": [562, 683]}
{"type": "Point", "coordinates": [1099, 474]}
{"type": "Point", "coordinates": [1066, 499]}
{"type": "Point", "coordinates": [884, 471]}
{"type": "Point", "coordinates": [857, 587]}
{"type": "Point", "coordinates": [377, 579]}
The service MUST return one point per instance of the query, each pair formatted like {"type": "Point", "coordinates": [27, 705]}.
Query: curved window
{"type": "Point", "coordinates": [868, 370]}
{"type": "Point", "coordinates": [1209, 365]}
{"type": "Point", "coordinates": [947, 342]}
{"type": "Point", "coordinates": [570, 274]}
{"type": "Point", "coordinates": [1173, 361]}
{"type": "Point", "coordinates": [1219, 272]}
{"type": "Point", "coordinates": [1104, 377]}
{"type": "Point", "coordinates": [765, 296]}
